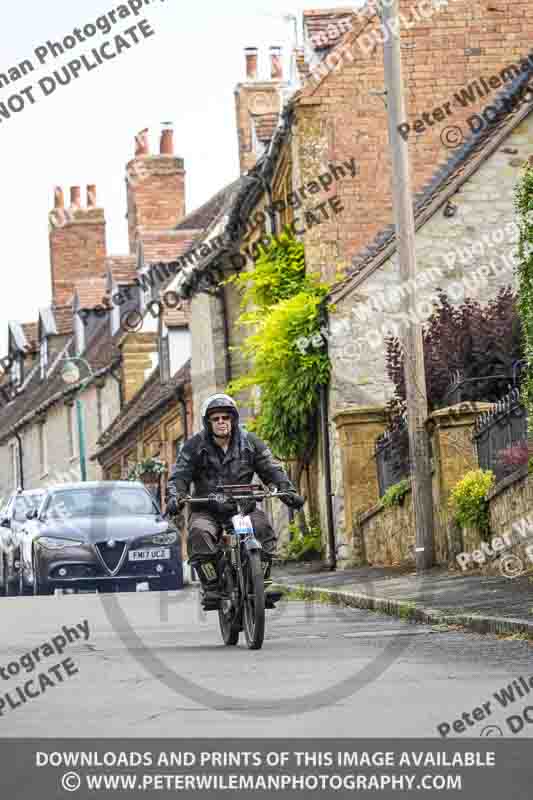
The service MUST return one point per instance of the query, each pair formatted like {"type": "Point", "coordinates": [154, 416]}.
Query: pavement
{"type": "Point", "coordinates": [154, 665]}
{"type": "Point", "coordinates": [486, 604]}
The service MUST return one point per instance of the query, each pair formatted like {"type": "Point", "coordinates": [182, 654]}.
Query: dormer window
{"type": "Point", "coordinates": [79, 334]}
{"type": "Point", "coordinates": [16, 371]}
{"type": "Point", "coordinates": [44, 356]}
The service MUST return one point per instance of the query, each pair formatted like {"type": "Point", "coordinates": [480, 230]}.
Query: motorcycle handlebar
{"type": "Point", "coordinates": [251, 496]}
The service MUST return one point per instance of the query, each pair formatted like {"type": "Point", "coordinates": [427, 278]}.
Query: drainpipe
{"type": "Point", "coordinates": [324, 431]}
{"type": "Point", "coordinates": [227, 355]}
{"type": "Point", "coordinates": [183, 404]}
{"type": "Point", "coordinates": [21, 459]}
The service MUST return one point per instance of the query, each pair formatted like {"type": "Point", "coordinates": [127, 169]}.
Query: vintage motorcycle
{"type": "Point", "coordinates": [241, 581]}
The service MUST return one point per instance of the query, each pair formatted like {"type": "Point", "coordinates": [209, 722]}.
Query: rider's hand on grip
{"type": "Point", "coordinates": [293, 500]}
{"type": "Point", "coordinates": [175, 504]}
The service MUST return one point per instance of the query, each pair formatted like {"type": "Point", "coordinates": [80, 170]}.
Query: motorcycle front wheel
{"type": "Point", "coordinates": [228, 615]}
{"type": "Point", "coordinates": [254, 601]}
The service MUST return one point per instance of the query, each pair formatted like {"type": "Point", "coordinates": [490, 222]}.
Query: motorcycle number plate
{"type": "Point", "coordinates": [242, 525]}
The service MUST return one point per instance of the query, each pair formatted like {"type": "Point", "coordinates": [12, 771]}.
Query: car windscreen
{"type": "Point", "coordinates": [115, 502]}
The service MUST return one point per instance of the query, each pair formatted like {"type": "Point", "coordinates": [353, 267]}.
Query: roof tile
{"type": "Point", "coordinates": [325, 27]}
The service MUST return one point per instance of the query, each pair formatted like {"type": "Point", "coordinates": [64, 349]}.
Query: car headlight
{"type": "Point", "coordinates": [57, 544]}
{"type": "Point", "coordinates": [163, 538]}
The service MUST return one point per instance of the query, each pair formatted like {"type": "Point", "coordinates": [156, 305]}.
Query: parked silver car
{"type": "Point", "coordinates": [13, 519]}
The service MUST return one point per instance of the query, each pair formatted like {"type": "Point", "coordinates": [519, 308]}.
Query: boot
{"type": "Point", "coordinates": [209, 589]}
{"type": "Point", "coordinates": [271, 597]}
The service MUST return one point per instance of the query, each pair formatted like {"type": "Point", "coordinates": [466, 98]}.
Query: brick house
{"type": "Point", "coordinates": [154, 422]}
{"type": "Point", "coordinates": [38, 427]}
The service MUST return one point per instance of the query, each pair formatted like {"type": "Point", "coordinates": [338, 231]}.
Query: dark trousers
{"type": "Point", "coordinates": [205, 529]}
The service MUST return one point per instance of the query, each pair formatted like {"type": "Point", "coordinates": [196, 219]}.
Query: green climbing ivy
{"type": "Point", "coordinates": [287, 355]}
{"type": "Point", "coordinates": [524, 208]}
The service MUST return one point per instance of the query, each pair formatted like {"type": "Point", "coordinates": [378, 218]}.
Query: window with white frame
{"type": "Point", "coordinates": [44, 356]}
{"type": "Point", "coordinates": [16, 371]}
{"type": "Point", "coordinates": [43, 449]}
{"type": "Point", "coordinates": [79, 333]}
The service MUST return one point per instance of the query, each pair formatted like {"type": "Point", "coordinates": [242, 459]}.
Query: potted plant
{"type": "Point", "coordinates": [149, 470]}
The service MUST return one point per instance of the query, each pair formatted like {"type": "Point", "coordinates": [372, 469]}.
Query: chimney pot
{"type": "Point", "coordinates": [141, 143]}
{"type": "Point", "coordinates": [59, 200]}
{"type": "Point", "coordinates": [276, 67]}
{"type": "Point", "coordinates": [251, 63]}
{"type": "Point", "coordinates": [166, 147]}
{"type": "Point", "coordinates": [91, 195]}
{"type": "Point", "coordinates": [75, 196]}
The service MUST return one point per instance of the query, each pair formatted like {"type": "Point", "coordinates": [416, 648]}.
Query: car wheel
{"type": "Point", "coordinates": [40, 587]}
{"type": "Point", "coordinates": [10, 588]}
{"type": "Point", "coordinates": [23, 589]}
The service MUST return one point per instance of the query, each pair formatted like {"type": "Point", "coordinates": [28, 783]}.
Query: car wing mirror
{"type": "Point", "coordinates": [5, 522]}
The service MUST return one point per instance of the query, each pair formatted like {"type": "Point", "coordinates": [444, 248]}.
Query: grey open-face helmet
{"type": "Point", "coordinates": [219, 401]}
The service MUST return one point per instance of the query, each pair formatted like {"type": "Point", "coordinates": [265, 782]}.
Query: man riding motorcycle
{"type": "Point", "coordinates": [223, 453]}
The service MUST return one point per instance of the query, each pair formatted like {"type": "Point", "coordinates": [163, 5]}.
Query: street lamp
{"type": "Point", "coordinates": [70, 375]}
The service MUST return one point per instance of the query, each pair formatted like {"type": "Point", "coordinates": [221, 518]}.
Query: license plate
{"type": "Point", "coordinates": [149, 554]}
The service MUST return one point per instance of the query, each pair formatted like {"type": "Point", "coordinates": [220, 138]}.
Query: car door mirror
{"type": "Point", "coordinates": [5, 522]}
{"type": "Point", "coordinates": [31, 514]}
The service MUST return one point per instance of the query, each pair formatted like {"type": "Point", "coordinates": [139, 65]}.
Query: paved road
{"type": "Point", "coordinates": [145, 649]}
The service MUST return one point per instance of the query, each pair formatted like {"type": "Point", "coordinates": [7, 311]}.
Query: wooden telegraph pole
{"type": "Point", "coordinates": [415, 380]}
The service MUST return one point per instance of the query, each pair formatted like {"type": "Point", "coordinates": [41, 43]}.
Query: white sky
{"type": "Point", "coordinates": [84, 132]}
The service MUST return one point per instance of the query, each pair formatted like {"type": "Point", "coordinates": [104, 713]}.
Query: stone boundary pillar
{"type": "Point", "coordinates": [358, 428]}
{"type": "Point", "coordinates": [454, 454]}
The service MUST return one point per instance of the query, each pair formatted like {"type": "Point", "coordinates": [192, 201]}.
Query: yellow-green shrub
{"type": "Point", "coordinates": [468, 499]}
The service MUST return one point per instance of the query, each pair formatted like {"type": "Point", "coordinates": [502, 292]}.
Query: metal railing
{"type": "Point", "coordinates": [392, 458]}
{"type": "Point", "coordinates": [497, 431]}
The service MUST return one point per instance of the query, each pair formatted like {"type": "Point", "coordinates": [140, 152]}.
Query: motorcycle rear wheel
{"type": "Point", "coordinates": [229, 617]}
{"type": "Point", "coordinates": [254, 601]}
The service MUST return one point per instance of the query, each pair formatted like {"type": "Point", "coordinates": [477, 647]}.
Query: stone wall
{"type": "Point", "coordinates": [386, 535]}
{"type": "Point", "coordinates": [509, 547]}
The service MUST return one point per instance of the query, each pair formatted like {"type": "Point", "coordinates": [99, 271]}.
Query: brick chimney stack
{"type": "Point", "coordinates": [155, 187]}
{"type": "Point", "coordinates": [251, 63]}
{"type": "Point", "coordinates": [255, 98]}
{"type": "Point", "coordinates": [276, 67]}
{"type": "Point", "coordinates": [77, 242]}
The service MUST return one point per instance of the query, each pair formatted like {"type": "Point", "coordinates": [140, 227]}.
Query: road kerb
{"type": "Point", "coordinates": [406, 609]}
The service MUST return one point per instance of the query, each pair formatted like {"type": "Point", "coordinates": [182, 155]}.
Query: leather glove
{"type": "Point", "coordinates": [248, 506]}
{"type": "Point", "coordinates": [175, 504]}
{"type": "Point", "coordinates": [293, 500]}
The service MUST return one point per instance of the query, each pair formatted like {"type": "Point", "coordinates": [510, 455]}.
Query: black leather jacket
{"type": "Point", "coordinates": [206, 465]}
